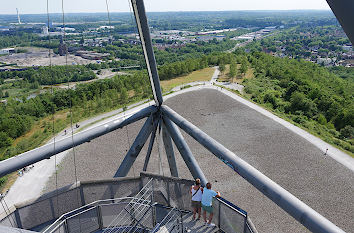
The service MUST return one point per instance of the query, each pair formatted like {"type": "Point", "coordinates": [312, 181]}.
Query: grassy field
{"type": "Point", "coordinates": [239, 79]}
{"type": "Point", "coordinates": [199, 75]}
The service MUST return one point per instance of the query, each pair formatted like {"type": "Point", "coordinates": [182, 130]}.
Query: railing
{"type": "Point", "coordinates": [230, 218]}
{"type": "Point", "coordinates": [168, 193]}
{"type": "Point", "coordinates": [97, 207]}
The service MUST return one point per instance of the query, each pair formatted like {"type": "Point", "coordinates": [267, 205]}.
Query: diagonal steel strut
{"type": "Point", "coordinates": [137, 145]}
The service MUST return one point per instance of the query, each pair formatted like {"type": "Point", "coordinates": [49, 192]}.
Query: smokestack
{"type": "Point", "coordinates": [18, 17]}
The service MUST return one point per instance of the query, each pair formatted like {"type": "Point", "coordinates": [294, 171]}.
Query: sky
{"type": "Point", "coordinates": [74, 6]}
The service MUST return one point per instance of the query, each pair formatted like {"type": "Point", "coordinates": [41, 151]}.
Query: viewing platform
{"type": "Point", "coordinates": [149, 203]}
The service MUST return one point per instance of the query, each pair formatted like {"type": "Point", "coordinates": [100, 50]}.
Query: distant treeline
{"type": "Point", "coordinates": [179, 68]}
{"type": "Point", "coordinates": [18, 38]}
{"type": "Point", "coordinates": [51, 75]}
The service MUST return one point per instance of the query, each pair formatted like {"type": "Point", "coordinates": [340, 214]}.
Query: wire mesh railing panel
{"type": "Point", "coordinates": [135, 210]}
{"type": "Point", "coordinates": [171, 192]}
{"type": "Point", "coordinates": [231, 221]}
{"type": "Point", "coordinates": [161, 194]}
{"type": "Point", "coordinates": [9, 221]}
{"type": "Point", "coordinates": [96, 192]}
{"type": "Point", "coordinates": [85, 222]}
{"type": "Point", "coordinates": [59, 228]}
{"type": "Point", "coordinates": [47, 209]}
{"type": "Point", "coordinates": [110, 211]}
{"type": "Point", "coordinates": [179, 195]}
{"type": "Point", "coordinates": [126, 188]}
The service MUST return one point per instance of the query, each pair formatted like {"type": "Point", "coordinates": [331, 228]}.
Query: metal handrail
{"type": "Point", "coordinates": [232, 206]}
{"type": "Point", "coordinates": [63, 217]}
{"type": "Point", "coordinates": [108, 202]}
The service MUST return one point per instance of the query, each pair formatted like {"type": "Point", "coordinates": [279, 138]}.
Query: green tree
{"type": "Point", "coordinates": [222, 68]}
{"type": "Point", "coordinates": [243, 68]}
{"type": "Point", "coordinates": [5, 140]}
{"type": "Point", "coordinates": [123, 96]}
{"type": "Point", "coordinates": [233, 71]}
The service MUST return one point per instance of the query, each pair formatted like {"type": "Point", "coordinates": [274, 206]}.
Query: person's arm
{"type": "Point", "coordinates": [218, 194]}
{"type": "Point", "coordinates": [190, 190]}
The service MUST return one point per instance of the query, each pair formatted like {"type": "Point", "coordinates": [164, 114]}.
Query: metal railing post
{"type": "Point", "coordinates": [99, 217]}
{"type": "Point", "coordinates": [66, 227]}
{"type": "Point", "coordinates": [245, 224]}
{"type": "Point", "coordinates": [219, 218]}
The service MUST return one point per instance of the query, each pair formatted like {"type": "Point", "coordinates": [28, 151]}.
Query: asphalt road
{"type": "Point", "coordinates": [284, 156]}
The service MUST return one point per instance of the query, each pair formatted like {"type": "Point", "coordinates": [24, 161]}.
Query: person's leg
{"type": "Point", "coordinates": [194, 211]}
{"type": "Point", "coordinates": [204, 215]}
{"type": "Point", "coordinates": [199, 212]}
{"type": "Point", "coordinates": [210, 217]}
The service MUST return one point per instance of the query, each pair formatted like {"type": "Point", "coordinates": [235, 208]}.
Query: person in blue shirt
{"type": "Point", "coordinates": [207, 203]}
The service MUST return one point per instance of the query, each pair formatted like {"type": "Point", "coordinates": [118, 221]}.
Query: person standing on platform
{"type": "Point", "coordinates": [207, 203]}
{"type": "Point", "coordinates": [196, 191]}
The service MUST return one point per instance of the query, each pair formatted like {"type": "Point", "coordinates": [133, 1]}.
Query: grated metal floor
{"type": "Point", "coordinates": [191, 226]}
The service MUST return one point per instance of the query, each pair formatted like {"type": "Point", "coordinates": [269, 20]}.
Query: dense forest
{"type": "Point", "coordinates": [17, 38]}
{"type": "Point", "coordinates": [50, 75]}
{"type": "Point", "coordinates": [306, 93]}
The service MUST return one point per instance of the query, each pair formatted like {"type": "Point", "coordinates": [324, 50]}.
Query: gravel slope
{"type": "Point", "coordinates": [283, 156]}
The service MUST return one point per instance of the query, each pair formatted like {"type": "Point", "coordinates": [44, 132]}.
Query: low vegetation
{"type": "Point", "coordinates": [306, 94]}
{"type": "Point", "coordinates": [199, 75]}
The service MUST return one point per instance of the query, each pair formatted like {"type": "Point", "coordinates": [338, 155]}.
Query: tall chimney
{"type": "Point", "coordinates": [18, 17]}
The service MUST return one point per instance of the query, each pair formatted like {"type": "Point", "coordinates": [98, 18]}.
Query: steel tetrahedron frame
{"type": "Point", "coordinates": [164, 118]}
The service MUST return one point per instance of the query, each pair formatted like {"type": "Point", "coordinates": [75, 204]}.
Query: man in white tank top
{"type": "Point", "coordinates": [196, 191]}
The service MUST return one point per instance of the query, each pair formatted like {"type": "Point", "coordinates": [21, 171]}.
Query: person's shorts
{"type": "Point", "coordinates": [196, 204]}
{"type": "Point", "coordinates": [208, 209]}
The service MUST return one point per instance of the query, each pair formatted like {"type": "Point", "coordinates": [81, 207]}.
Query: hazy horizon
{"type": "Point", "coordinates": [119, 6]}
{"type": "Point", "coordinates": [125, 12]}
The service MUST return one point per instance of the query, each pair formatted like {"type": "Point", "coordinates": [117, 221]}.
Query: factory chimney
{"type": "Point", "coordinates": [18, 17]}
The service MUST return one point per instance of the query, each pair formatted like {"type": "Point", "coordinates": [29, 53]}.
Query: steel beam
{"type": "Point", "coordinates": [167, 141]}
{"type": "Point", "coordinates": [185, 152]}
{"type": "Point", "coordinates": [288, 202]}
{"type": "Point", "coordinates": [148, 154]}
{"type": "Point", "coordinates": [46, 151]}
{"type": "Point", "coordinates": [144, 33]}
{"type": "Point", "coordinates": [136, 147]}
{"type": "Point", "coordinates": [344, 12]}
